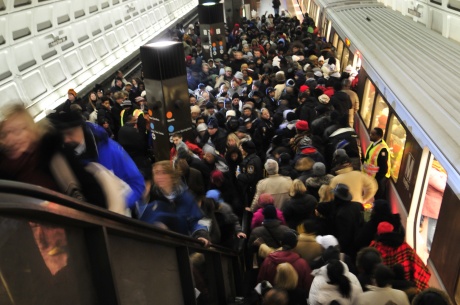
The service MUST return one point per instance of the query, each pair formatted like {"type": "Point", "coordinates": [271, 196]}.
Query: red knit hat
{"type": "Point", "coordinates": [304, 88]}
{"type": "Point", "coordinates": [384, 227]}
{"type": "Point", "coordinates": [301, 125]}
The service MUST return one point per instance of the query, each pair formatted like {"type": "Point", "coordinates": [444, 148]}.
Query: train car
{"type": "Point", "coordinates": [408, 86]}
{"type": "Point", "coordinates": [441, 16]}
{"type": "Point", "coordinates": [47, 47]}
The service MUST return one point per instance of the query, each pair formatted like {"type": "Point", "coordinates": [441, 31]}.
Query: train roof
{"type": "Point", "coordinates": [417, 71]}
{"type": "Point", "coordinates": [333, 3]}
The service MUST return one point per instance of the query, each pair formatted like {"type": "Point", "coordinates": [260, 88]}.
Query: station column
{"type": "Point", "coordinates": [165, 81]}
{"type": "Point", "coordinates": [212, 30]}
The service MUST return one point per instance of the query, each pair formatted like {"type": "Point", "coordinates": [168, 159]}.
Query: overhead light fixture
{"type": "Point", "coordinates": [208, 2]}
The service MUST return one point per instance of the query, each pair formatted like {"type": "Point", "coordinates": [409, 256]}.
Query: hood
{"type": "Point", "coordinates": [279, 257]}
{"type": "Point", "coordinates": [318, 181]}
{"type": "Point", "coordinates": [392, 239]}
{"type": "Point", "coordinates": [323, 271]}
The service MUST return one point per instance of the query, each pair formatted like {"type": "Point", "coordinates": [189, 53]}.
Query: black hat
{"type": "Point", "coordinates": [212, 124]}
{"type": "Point", "coordinates": [342, 191]}
{"type": "Point", "coordinates": [247, 120]}
{"type": "Point", "coordinates": [269, 212]}
{"type": "Point", "coordinates": [257, 93]}
{"type": "Point", "coordinates": [235, 95]}
{"type": "Point", "coordinates": [248, 146]}
{"type": "Point", "coordinates": [289, 240]}
{"type": "Point", "coordinates": [270, 89]}
{"type": "Point", "coordinates": [242, 129]}
{"type": "Point", "coordinates": [66, 120]}
{"type": "Point", "coordinates": [209, 105]}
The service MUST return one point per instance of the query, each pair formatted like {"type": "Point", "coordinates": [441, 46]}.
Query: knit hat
{"type": "Point", "coordinates": [318, 74]}
{"type": "Point", "coordinates": [301, 125]}
{"type": "Point", "coordinates": [66, 120]}
{"type": "Point", "coordinates": [324, 99]}
{"type": "Point", "coordinates": [384, 227]}
{"type": "Point", "coordinates": [209, 149]}
{"type": "Point", "coordinates": [319, 169]}
{"type": "Point", "coordinates": [230, 113]}
{"type": "Point", "coordinates": [335, 74]}
{"type": "Point", "coordinates": [342, 191]}
{"type": "Point", "coordinates": [279, 76]}
{"type": "Point", "coordinates": [327, 241]}
{"type": "Point", "coordinates": [348, 69]}
{"type": "Point", "coordinates": [270, 89]}
{"type": "Point", "coordinates": [212, 124]}
{"type": "Point", "coordinates": [228, 69]}
{"type": "Point", "coordinates": [235, 95]}
{"type": "Point", "coordinates": [321, 58]}
{"type": "Point", "coordinates": [248, 146]}
{"type": "Point", "coordinates": [239, 75]}
{"type": "Point", "coordinates": [209, 105]}
{"type": "Point", "coordinates": [126, 103]}
{"type": "Point", "coordinates": [265, 199]}
{"type": "Point", "coordinates": [269, 212]}
{"type": "Point", "coordinates": [304, 88]}
{"type": "Point", "coordinates": [217, 176]}
{"type": "Point", "coordinates": [201, 127]}
{"type": "Point", "coordinates": [289, 240]}
{"type": "Point", "coordinates": [214, 194]}
{"type": "Point", "coordinates": [290, 83]}
{"type": "Point", "coordinates": [247, 106]}
{"type": "Point", "coordinates": [139, 99]}
{"type": "Point", "coordinates": [195, 109]}
{"type": "Point", "coordinates": [271, 166]}
{"type": "Point", "coordinates": [73, 92]}
{"type": "Point", "coordinates": [340, 157]}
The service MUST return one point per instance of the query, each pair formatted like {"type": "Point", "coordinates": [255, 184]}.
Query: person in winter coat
{"type": "Point", "coordinates": [307, 246]}
{"type": "Point", "coordinates": [172, 206]}
{"type": "Point", "coordinates": [270, 232]}
{"type": "Point", "coordinates": [304, 167]}
{"type": "Point", "coordinates": [250, 172]}
{"type": "Point", "coordinates": [300, 207]}
{"type": "Point", "coordinates": [383, 293]}
{"type": "Point", "coordinates": [362, 187]}
{"type": "Point", "coordinates": [366, 261]}
{"type": "Point", "coordinates": [381, 211]}
{"type": "Point", "coordinates": [319, 178]}
{"type": "Point", "coordinates": [333, 282]}
{"type": "Point", "coordinates": [258, 216]}
{"type": "Point", "coordinates": [90, 143]}
{"type": "Point", "coordinates": [286, 255]}
{"type": "Point", "coordinates": [276, 185]}
{"type": "Point", "coordinates": [395, 250]}
{"type": "Point", "coordinates": [192, 177]}
{"type": "Point", "coordinates": [432, 296]}
{"type": "Point", "coordinates": [287, 279]}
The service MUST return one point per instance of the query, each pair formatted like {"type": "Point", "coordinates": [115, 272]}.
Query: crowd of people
{"type": "Point", "coordinates": [273, 137]}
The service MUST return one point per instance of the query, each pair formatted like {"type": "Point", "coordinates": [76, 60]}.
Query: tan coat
{"type": "Point", "coordinates": [354, 105]}
{"type": "Point", "coordinates": [276, 185]}
{"type": "Point", "coordinates": [362, 187]}
{"type": "Point", "coordinates": [308, 248]}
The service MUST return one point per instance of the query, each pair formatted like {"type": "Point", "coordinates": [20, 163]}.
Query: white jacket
{"type": "Point", "coordinates": [322, 293]}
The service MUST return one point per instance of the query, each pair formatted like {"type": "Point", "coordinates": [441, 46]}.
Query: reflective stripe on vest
{"type": "Point", "coordinates": [370, 166]}
{"type": "Point", "coordinates": [136, 114]}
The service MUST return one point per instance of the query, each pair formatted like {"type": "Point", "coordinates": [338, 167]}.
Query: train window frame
{"type": "Point", "coordinates": [339, 49]}
{"type": "Point", "coordinates": [389, 141]}
{"type": "Point", "coordinates": [335, 39]}
{"type": "Point", "coordinates": [368, 83]}
{"type": "Point", "coordinates": [439, 2]}
{"type": "Point", "coordinates": [379, 98]}
{"type": "Point", "coordinates": [344, 63]}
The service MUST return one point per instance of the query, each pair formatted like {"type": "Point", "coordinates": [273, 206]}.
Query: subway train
{"type": "Point", "coordinates": [47, 47]}
{"type": "Point", "coordinates": [408, 86]}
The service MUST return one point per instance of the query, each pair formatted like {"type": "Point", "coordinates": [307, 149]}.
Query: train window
{"type": "Point", "coordinates": [454, 4]}
{"type": "Point", "coordinates": [340, 49]}
{"type": "Point", "coordinates": [368, 102]}
{"type": "Point", "coordinates": [329, 27]}
{"type": "Point", "coordinates": [345, 57]}
{"type": "Point", "coordinates": [335, 40]}
{"type": "Point", "coordinates": [18, 3]}
{"type": "Point", "coordinates": [436, 1]}
{"type": "Point", "coordinates": [437, 180]}
{"type": "Point", "coordinates": [380, 114]}
{"type": "Point", "coordinates": [396, 139]}
{"type": "Point", "coordinates": [2, 5]}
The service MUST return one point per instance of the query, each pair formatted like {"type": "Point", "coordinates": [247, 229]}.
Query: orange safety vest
{"type": "Point", "coordinates": [370, 166]}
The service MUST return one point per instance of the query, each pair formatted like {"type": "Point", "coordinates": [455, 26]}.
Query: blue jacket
{"type": "Point", "coordinates": [180, 214]}
{"type": "Point", "coordinates": [112, 156]}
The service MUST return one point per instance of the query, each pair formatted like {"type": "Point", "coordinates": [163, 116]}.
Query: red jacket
{"type": "Point", "coordinates": [193, 147]}
{"type": "Point", "coordinates": [268, 269]}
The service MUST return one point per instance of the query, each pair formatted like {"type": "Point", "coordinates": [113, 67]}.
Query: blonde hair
{"type": "Point", "coordinates": [17, 109]}
{"type": "Point", "coordinates": [297, 187]}
{"type": "Point", "coordinates": [325, 193]}
{"type": "Point", "coordinates": [169, 170]}
{"type": "Point", "coordinates": [286, 277]}
{"type": "Point", "coordinates": [234, 137]}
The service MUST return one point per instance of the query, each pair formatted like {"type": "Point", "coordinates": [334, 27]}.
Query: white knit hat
{"type": "Point", "coordinates": [327, 241]}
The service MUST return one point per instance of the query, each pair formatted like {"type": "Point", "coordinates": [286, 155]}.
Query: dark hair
{"type": "Point", "coordinates": [309, 226]}
{"type": "Point", "coordinates": [383, 275]}
{"type": "Point", "coordinates": [378, 131]}
{"type": "Point", "coordinates": [367, 259]}
{"type": "Point", "coordinates": [177, 134]}
{"type": "Point", "coordinates": [335, 271]}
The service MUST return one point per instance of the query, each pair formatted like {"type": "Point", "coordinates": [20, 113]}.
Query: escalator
{"type": "Point", "coordinates": [57, 250]}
